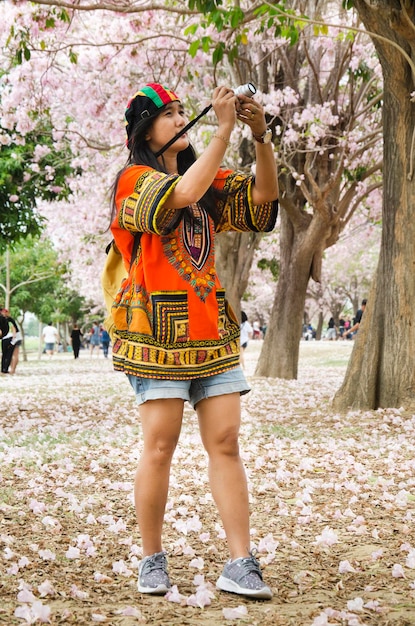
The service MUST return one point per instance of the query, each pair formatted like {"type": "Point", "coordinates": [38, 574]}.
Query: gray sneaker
{"type": "Point", "coordinates": [152, 574]}
{"type": "Point", "coordinates": [243, 576]}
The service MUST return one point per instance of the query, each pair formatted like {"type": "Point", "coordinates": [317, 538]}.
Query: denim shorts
{"type": "Point", "coordinates": [232, 381]}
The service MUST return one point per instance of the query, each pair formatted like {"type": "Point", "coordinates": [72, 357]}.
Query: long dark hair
{"type": "Point", "coordinates": [140, 154]}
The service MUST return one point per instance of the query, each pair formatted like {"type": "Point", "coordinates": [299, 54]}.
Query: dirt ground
{"type": "Point", "coordinates": [332, 500]}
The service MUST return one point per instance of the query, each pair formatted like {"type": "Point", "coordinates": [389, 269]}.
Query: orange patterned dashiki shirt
{"type": "Point", "coordinates": [171, 318]}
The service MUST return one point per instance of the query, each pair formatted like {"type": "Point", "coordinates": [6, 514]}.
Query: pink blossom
{"type": "Point", "coordinates": [41, 611]}
{"type": "Point", "coordinates": [73, 553]}
{"type": "Point", "coordinates": [327, 538]}
{"type": "Point", "coordinates": [25, 595]}
{"type": "Point", "coordinates": [117, 527]}
{"type": "Point", "coordinates": [397, 571]}
{"type": "Point", "coordinates": [78, 593]}
{"type": "Point", "coordinates": [377, 554]}
{"type": "Point", "coordinates": [355, 605]}
{"type": "Point", "coordinates": [173, 595]}
{"type": "Point", "coordinates": [237, 613]}
{"type": "Point", "coordinates": [8, 553]}
{"type": "Point", "coordinates": [321, 620]}
{"type": "Point", "coordinates": [37, 507]}
{"type": "Point", "coordinates": [119, 567]}
{"type": "Point", "coordinates": [51, 522]}
{"type": "Point", "coordinates": [198, 563]}
{"type": "Point", "coordinates": [410, 559]}
{"type": "Point", "coordinates": [24, 612]}
{"type": "Point", "coordinates": [345, 567]}
{"type": "Point", "coordinates": [34, 613]}
{"type": "Point", "coordinates": [268, 544]}
{"type": "Point", "coordinates": [47, 555]}
{"type": "Point", "coordinates": [373, 605]}
{"type": "Point", "coordinates": [131, 611]}
{"type": "Point", "coordinates": [46, 589]}
{"type": "Point", "coordinates": [40, 152]}
{"type": "Point", "coordinates": [84, 542]}
{"type": "Point", "coordinates": [102, 578]}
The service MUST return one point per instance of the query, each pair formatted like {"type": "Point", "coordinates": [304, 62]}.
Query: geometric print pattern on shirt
{"type": "Point", "coordinates": [194, 235]}
{"type": "Point", "coordinates": [169, 353]}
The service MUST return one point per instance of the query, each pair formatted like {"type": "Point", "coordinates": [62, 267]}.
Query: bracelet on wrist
{"type": "Point", "coordinates": [216, 136]}
{"type": "Point", "coordinates": [265, 137]}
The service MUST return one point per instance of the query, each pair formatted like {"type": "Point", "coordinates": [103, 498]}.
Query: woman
{"type": "Point", "coordinates": [76, 337]}
{"type": "Point", "coordinates": [94, 338]}
{"type": "Point", "coordinates": [105, 341]}
{"type": "Point", "coordinates": [175, 336]}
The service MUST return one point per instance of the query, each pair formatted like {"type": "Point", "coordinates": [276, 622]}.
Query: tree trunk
{"type": "Point", "coordinates": [319, 329]}
{"type": "Point", "coordinates": [234, 256]}
{"type": "Point", "coordinates": [299, 246]}
{"type": "Point", "coordinates": [381, 371]}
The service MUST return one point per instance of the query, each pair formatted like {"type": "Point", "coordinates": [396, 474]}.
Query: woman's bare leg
{"type": "Point", "coordinates": [161, 422]}
{"type": "Point", "coordinates": [15, 359]}
{"type": "Point", "coordinates": [219, 421]}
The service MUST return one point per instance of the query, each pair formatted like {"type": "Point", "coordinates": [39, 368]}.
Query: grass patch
{"type": "Point", "coordinates": [284, 432]}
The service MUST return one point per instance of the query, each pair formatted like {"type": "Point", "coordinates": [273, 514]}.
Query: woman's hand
{"type": "Point", "coordinates": [252, 114]}
{"type": "Point", "coordinates": [224, 103]}
{"type": "Point", "coordinates": [265, 188]}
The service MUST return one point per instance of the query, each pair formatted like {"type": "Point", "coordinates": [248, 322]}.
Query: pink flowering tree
{"type": "Point", "coordinates": [381, 369]}
{"type": "Point", "coordinates": [81, 64]}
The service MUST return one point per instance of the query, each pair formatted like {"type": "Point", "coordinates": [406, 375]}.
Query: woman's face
{"type": "Point", "coordinates": [166, 125]}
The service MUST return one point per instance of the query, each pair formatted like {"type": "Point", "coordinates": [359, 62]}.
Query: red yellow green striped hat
{"type": "Point", "coordinates": [146, 103]}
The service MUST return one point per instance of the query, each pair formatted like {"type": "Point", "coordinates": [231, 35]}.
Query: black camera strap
{"type": "Point", "coordinates": [183, 131]}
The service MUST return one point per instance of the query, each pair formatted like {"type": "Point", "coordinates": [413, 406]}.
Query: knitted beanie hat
{"type": "Point", "coordinates": [146, 103]}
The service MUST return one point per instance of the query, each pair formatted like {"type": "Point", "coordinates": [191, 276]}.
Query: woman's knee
{"type": "Point", "coordinates": [225, 443]}
{"type": "Point", "coordinates": [160, 450]}
{"type": "Point", "coordinates": [161, 425]}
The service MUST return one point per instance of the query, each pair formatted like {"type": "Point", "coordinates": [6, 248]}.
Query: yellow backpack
{"type": "Point", "coordinates": [113, 274]}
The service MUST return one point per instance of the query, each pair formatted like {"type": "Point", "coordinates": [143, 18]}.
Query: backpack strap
{"type": "Point", "coordinates": [137, 239]}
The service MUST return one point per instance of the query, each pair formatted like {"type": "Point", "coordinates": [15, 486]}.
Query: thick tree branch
{"type": "Point", "coordinates": [117, 6]}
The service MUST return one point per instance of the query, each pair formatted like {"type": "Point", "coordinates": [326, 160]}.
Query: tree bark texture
{"type": "Point", "coordinates": [299, 245]}
{"type": "Point", "coordinates": [381, 371]}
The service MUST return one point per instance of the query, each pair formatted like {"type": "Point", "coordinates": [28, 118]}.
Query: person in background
{"type": "Point", "coordinates": [246, 335]}
{"type": "Point", "coordinates": [331, 332]}
{"type": "Point", "coordinates": [357, 319]}
{"type": "Point", "coordinates": [347, 326]}
{"type": "Point", "coordinates": [50, 336]}
{"type": "Point", "coordinates": [8, 341]}
{"type": "Point", "coordinates": [95, 338]}
{"type": "Point", "coordinates": [175, 335]}
{"type": "Point", "coordinates": [105, 341]}
{"type": "Point", "coordinates": [16, 343]}
{"type": "Point", "coordinates": [76, 337]}
{"type": "Point", "coordinates": [4, 332]}
{"type": "Point", "coordinates": [256, 331]}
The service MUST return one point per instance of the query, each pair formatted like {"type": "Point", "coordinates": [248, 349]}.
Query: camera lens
{"type": "Point", "coordinates": [245, 90]}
